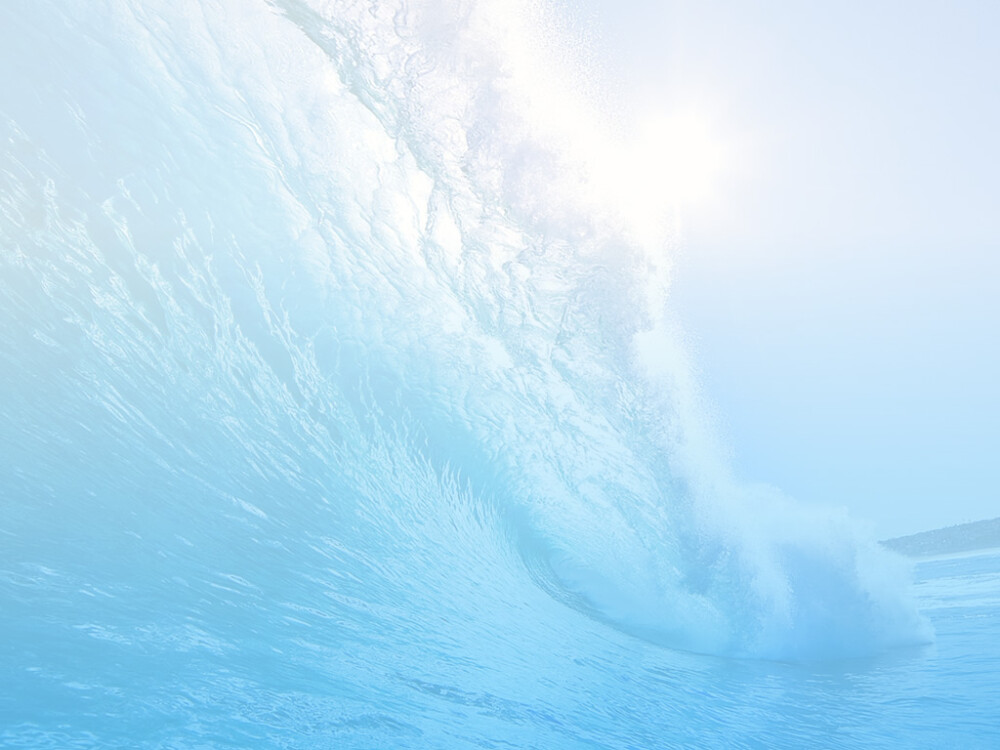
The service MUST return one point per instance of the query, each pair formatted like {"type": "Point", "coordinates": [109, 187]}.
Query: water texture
{"type": "Point", "coordinates": [339, 409]}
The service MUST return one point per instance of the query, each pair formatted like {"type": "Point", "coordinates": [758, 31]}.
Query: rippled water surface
{"type": "Point", "coordinates": [243, 672]}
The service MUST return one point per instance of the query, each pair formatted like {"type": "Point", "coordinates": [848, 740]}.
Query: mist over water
{"type": "Point", "coordinates": [326, 373]}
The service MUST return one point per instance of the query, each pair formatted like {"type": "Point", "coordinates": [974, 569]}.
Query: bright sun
{"type": "Point", "coordinates": [667, 166]}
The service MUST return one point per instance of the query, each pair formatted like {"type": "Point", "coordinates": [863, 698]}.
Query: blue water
{"type": "Point", "coordinates": [338, 410]}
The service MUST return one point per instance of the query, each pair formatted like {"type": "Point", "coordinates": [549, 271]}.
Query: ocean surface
{"type": "Point", "coordinates": [340, 408]}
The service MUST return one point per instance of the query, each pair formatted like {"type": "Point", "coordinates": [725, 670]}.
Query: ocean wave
{"type": "Point", "coordinates": [332, 296]}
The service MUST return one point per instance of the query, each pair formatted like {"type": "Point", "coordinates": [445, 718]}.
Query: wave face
{"type": "Point", "coordinates": [315, 334]}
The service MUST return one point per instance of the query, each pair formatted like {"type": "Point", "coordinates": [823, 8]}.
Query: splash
{"type": "Point", "coordinates": [335, 300]}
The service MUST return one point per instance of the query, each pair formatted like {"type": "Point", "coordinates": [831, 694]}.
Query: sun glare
{"type": "Point", "coordinates": [650, 168]}
{"type": "Point", "coordinates": [667, 165]}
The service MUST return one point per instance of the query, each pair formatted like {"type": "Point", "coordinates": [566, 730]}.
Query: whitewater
{"type": "Point", "coordinates": [341, 407]}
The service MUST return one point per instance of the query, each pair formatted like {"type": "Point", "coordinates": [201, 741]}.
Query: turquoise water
{"type": "Point", "coordinates": [340, 410]}
{"type": "Point", "coordinates": [236, 671]}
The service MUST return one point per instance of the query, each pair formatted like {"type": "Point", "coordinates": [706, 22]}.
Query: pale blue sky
{"type": "Point", "coordinates": [841, 292]}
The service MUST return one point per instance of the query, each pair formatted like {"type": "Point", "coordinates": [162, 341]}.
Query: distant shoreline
{"type": "Point", "coordinates": [966, 537]}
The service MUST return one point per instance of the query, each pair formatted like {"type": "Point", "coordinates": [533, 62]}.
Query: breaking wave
{"type": "Point", "coordinates": [325, 307]}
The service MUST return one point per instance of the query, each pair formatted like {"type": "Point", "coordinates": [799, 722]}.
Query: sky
{"type": "Point", "coordinates": [840, 285]}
